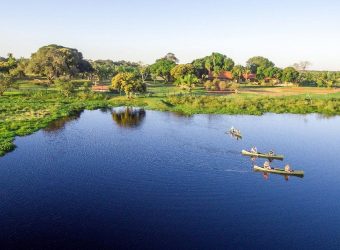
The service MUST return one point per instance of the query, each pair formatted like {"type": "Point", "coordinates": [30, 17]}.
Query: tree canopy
{"type": "Point", "coordinates": [104, 69]}
{"type": "Point", "coordinates": [199, 67]}
{"type": "Point", "coordinates": [290, 74]}
{"type": "Point", "coordinates": [171, 57]}
{"type": "Point", "coordinates": [7, 64]}
{"type": "Point", "coordinates": [128, 82]}
{"type": "Point", "coordinates": [6, 82]}
{"type": "Point", "coordinates": [258, 61]}
{"type": "Point", "coordinates": [217, 62]}
{"type": "Point", "coordinates": [54, 61]}
{"type": "Point", "coordinates": [162, 68]}
{"type": "Point", "coordinates": [181, 70]}
{"type": "Point", "coordinates": [238, 71]}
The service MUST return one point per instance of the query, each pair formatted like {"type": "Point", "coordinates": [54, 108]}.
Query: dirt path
{"type": "Point", "coordinates": [285, 91]}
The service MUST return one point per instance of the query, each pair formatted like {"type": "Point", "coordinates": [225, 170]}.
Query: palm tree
{"type": "Point", "coordinates": [238, 72]}
{"type": "Point", "coordinates": [188, 82]}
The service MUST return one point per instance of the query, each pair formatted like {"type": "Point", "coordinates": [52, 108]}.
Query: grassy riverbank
{"type": "Point", "coordinates": [24, 112]}
{"type": "Point", "coordinates": [249, 105]}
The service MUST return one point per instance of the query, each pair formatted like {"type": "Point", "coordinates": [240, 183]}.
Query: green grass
{"type": "Point", "coordinates": [24, 114]}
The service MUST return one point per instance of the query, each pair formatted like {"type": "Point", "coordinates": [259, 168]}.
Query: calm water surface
{"type": "Point", "coordinates": [115, 179]}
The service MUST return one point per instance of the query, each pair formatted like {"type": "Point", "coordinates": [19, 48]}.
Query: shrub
{"type": "Point", "coordinates": [222, 85]}
{"type": "Point", "coordinates": [208, 84]}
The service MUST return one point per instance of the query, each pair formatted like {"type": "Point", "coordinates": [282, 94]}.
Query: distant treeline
{"type": "Point", "coordinates": [55, 62]}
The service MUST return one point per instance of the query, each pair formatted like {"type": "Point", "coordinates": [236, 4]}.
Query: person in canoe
{"type": "Point", "coordinates": [287, 168]}
{"type": "Point", "coordinates": [266, 165]}
{"type": "Point", "coordinates": [253, 150]}
{"type": "Point", "coordinates": [271, 152]}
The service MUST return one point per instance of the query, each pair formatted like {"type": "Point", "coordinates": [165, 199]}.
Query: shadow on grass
{"type": "Point", "coordinates": [168, 104]}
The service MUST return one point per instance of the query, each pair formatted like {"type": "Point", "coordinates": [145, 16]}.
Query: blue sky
{"type": "Point", "coordinates": [284, 31]}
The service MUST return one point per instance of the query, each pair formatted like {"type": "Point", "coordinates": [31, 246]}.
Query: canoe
{"type": "Point", "coordinates": [262, 155]}
{"type": "Point", "coordinates": [234, 134]}
{"type": "Point", "coordinates": [298, 173]}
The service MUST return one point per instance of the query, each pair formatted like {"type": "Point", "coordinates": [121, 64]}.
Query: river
{"type": "Point", "coordinates": [130, 178]}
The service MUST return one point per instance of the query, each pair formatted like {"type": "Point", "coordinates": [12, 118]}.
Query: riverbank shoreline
{"type": "Point", "coordinates": [26, 114]}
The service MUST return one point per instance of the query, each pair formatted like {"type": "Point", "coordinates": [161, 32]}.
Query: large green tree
{"type": "Point", "coordinates": [181, 70]}
{"type": "Point", "coordinates": [238, 72]}
{"type": "Point", "coordinates": [162, 68]}
{"type": "Point", "coordinates": [128, 82]}
{"type": "Point", "coordinates": [218, 62]}
{"type": "Point", "coordinates": [199, 67]}
{"type": "Point", "coordinates": [290, 74]}
{"type": "Point", "coordinates": [54, 61]}
{"type": "Point", "coordinates": [258, 61]}
{"type": "Point", "coordinates": [104, 69]}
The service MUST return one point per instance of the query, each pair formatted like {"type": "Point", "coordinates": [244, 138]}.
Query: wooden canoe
{"type": "Point", "coordinates": [298, 173]}
{"type": "Point", "coordinates": [262, 155]}
{"type": "Point", "coordinates": [235, 134]}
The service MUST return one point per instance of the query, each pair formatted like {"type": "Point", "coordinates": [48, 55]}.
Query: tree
{"type": "Point", "coordinates": [258, 61]}
{"type": "Point", "coordinates": [302, 66]}
{"type": "Point", "coordinates": [217, 62]}
{"type": "Point", "coordinates": [104, 69]}
{"type": "Point", "coordinates": [171, 57]}
{"type": "Point", "coordinates": [6, 82]}
{"type": "Point", "coordinates": [162, 68]}
{"type": "Point", "coordinates": [238, 72]}
{"type": "Point", "coordinates": [128, 82]}
{"type": "Point", "coordinates": [65, 87]}
{"type": "Point", "coordinates": [273, 72]}
{"type": "Point", "coordinates": [144, 71]}
{"type": "Point", "coordinates": [199, 67]}
{"type": "Point", "coordinates": [325, 79]}
{"type": "Point", "coordinates": [53, 61]}
{"type": "Point", "coordinates": [7, 64]}
{"type": "Point", "coordinates": [228, 63]}
{"type": "Point", "coordinates": [181, 70]}
{"type": "Point", "coordinates": [187, 82]}
{"type": "Point", "coordinates": [21, 68]}
{"type": "Point", "coordinates": [290, 74]}
{"type": "Point", "coordinates": [124, 66]}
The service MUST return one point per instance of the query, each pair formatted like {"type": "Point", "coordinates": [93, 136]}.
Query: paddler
{"type": "Point", "coordinates": [287, 168]}
{"type": "Point", "coordinates": [266, 165]}
{"type": "Point", "coordinates": [253, 150]}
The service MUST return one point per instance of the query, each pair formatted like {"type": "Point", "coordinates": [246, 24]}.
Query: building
{"type": "Point", "coordinates": [228, 76]}
{"type": "Point", "coordinates": [101, 88]}
{"type": "Point", "coordinates": [223, 76]}
{"type": "Point", "coordinates": [249, 76]}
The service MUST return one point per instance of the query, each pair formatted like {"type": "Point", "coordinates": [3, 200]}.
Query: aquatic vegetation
{"type": "Point", "coordinates": [25, 114]}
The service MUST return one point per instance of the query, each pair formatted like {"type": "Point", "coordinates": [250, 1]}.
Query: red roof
{"type": "Point", "coordinates": [101, 88]}
{"type": "Point", "coordinates": [249, 76]}
{"type": "Point", "coordinates": [222, 75]}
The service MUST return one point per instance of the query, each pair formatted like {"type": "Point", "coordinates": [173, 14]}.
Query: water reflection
{"type": "Point", "coordinates": [266, 176]}
{"type": "Point", "coordinates": [59, 125]}
{"type": "Point", "coordinates": [128, 117]}
{"type": "Point", "coordinates": [235, 136]}
{"type": "Point", "coordinates": [180, 115]}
